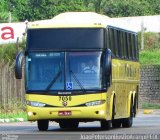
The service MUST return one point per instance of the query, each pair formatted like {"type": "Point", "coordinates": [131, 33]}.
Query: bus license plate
{"type": "Point", "coordinates": [64, 113]}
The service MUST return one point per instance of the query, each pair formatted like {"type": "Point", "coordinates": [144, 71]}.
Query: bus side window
{"type": "Point", "coordinates": [119, 46]}
{"type": "Point", "coordinates": [136, 48]}
{"type": "Point", "coordinates": [127, 45]}
{"type": "Point", "coordinates": [116, 43]}
{"type": "Point", "coordinates": [108, 39]}
{"type": "Point", "coordinates": [124, 45]}
{"type": "Point", "coordinates": [133, 47]}
{"type": "Point", "coordinates": [111, 40]}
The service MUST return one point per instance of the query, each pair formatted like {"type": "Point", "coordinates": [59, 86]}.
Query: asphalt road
{"type": "Point", "coordinates": [144, 127]}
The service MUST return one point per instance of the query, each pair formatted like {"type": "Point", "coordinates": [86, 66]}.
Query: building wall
{"type": "Point", "coordinates": [149, 23]}
{"type": "Point", "coordinates": [150, 84]}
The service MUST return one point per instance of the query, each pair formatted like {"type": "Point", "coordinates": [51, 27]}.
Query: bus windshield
{"type": "Point", "coordinates": [63, 71]}
{"type": "Point", "coordinates": [42, 68]}
{"type": "Point", "coordinates": [83, 70]}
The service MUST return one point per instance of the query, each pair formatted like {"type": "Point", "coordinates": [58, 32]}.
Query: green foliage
{"type": "Point", "coordinates": [3, 17]}
{"type": "Point", "coordinates": [125, 8]}
{"type": "Point", "coordinates": [19, 9]}
{"type": "Point", "coordinates": [152, 41]}
{"type": "Point", "coordinates": [151, 52]}
{"type": "Point", "coordinates": [3, 6]}
{"type": "Point", "coordinates": [3, 11]}
{"type": "Point", "coordinates": [148, 57]}
{"type": "Point", "coordinates": [6, 6]}
{"type": "Point", "coordinates": [45, 9]}
{"type": "Point", "coordinates": [13, 114]}
{"type": "Point", "coordinates": [94, 5]}
{"type": "Point", "coordinates": [150, 106]}
{"type": "Point", "coordinates": [8, 51]}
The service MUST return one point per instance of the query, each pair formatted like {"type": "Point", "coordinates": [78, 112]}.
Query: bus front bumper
{"type": "Point", "coordinates": [98, 112]}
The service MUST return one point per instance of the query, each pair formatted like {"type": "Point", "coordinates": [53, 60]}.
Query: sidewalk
{"type": "Point", "coordinates": [149, 111]}
{"type": "Point", "coordinates": [4, 120]}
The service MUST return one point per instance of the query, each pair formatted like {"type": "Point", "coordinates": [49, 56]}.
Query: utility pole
{"type": "Point", "coordinates": [142, 35]}
{"type": "Point", "coordinates": [11, 6]}
{"type": "Point", "coordinates": [10, 17]}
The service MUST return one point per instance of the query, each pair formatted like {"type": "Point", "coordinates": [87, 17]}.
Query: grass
{"type": "Point", "coordinates": [150, 57]}
{"type": "Point", "coordinates": [150, 106]}
{"type": "Point", "coordinates": [13, 115]}
{"type": "Point", "coordinates": [20, 114]}
{"type": "Point", "coordinates": [8, 51]}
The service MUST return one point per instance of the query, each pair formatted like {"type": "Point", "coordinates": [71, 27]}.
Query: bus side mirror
{"type": "Point", "coordinates": [107, 64]}
{"type": "Point", "coordinates": [18, 65]}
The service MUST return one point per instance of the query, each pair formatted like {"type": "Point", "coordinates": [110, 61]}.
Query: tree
{"type": "Point", "coordinates": [3, 11]}
{"type": "Point", "coordinates": [6, 7]}
{"type": "Point", "coordinates": [154, 7]}
{"type": "Point", "coordinates": [38, 9]}
{"type": "Point", "coordinates": [3, 5]}
{"type": "Point", "coordinates": [45, 9]}
{"type": "Point", "coordinates": [94, 5]}
{"type": "Point", "coordinates": [125, 8]}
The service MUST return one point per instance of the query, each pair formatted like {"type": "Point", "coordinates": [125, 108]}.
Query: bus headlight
{"type": "Point", "coordinates": [35, 104]}
{"type": "Point", "coordinates": [93, 103]}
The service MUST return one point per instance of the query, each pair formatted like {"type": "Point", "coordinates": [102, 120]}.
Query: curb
{"type": "Point", "coordinates": [12, 120]}
{"type": "Point", "coordinates": [148, 111]}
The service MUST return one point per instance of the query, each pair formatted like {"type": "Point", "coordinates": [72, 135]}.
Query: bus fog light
{"type": "Point", "coordinates": [30, 113]}
{"type": "Point", "coordinates": [101, 112]}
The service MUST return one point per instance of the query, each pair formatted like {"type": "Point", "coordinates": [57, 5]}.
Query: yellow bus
{"type": "Point", "coordinates": [80, 71]}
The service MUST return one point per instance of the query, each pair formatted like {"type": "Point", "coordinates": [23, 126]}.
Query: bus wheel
{"type": "Point", "coordinates": [128, 121]}
{"type": "Point", "coordinates": [43, 125]}
{"type": "Point", "coordinates": [68, 124]}
{"type": "Point", "coordinates": [105, 125]}
{"type": "Point", "coordinates": [116, 123]}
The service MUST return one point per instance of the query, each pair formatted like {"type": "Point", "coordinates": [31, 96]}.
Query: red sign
{"type": "Point", "coordinates": [7, 33]}
{"type": "Point", "coordinates": [64, 113]}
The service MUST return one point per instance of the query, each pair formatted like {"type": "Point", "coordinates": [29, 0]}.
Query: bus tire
{"type": "Point", "coordinates": [128, 121]}
{"type": "Point", "coordinates": [135, 106]}
{"type": "Point", "coordinates": [114, 108]}
{"type": "Point", "coordinates": [43, 125]}
{"type": "Point", "coordinates": [105, 125]}
{"type": "Point", "coordinates": [116, 123]}
{"type": "Point", "coordinates": [68, 124]}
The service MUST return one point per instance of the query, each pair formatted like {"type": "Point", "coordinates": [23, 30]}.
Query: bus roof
{"type": "Point", "coordinates": [72, 20]}
{"type": "Point", "coordinates": [78, 20]}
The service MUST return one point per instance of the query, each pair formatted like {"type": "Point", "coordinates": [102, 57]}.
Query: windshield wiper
{"type": "Point", "coordinates": [54, 80]}
{"type": "Point", "coordinates": [78, 82]}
